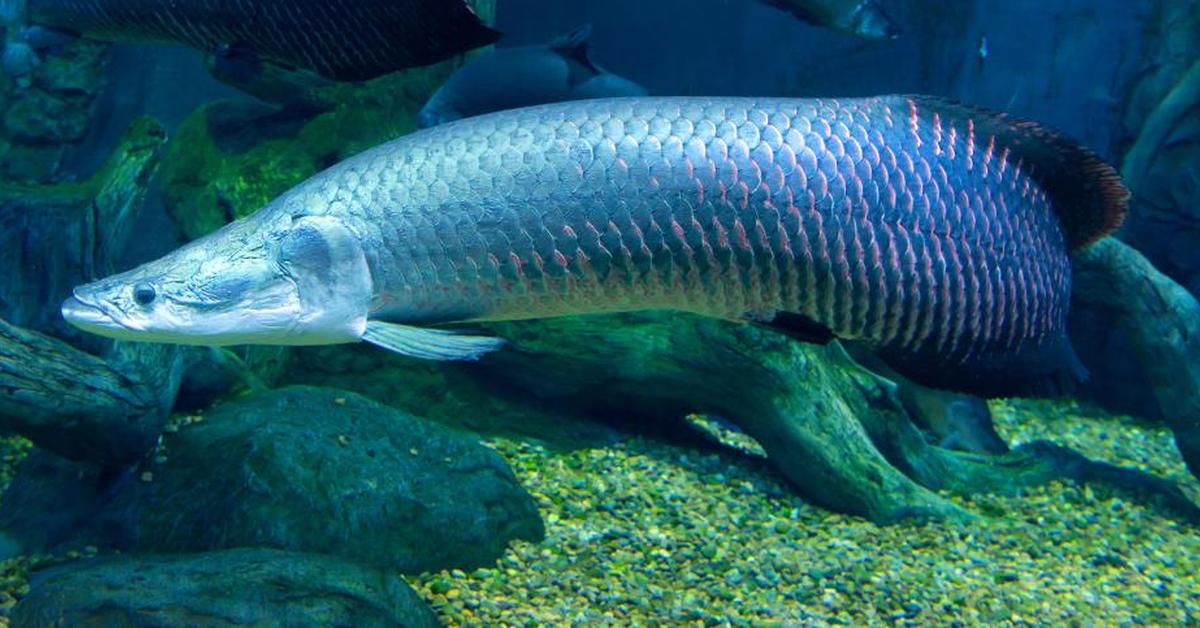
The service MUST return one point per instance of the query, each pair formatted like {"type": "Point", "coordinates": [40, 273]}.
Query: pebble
{"type": "Point", "coordinates": [683, 540]}
{"type": "Point", "coordinates": [694, 537]}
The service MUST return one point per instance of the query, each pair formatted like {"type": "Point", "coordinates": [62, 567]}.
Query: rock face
{"type": "Point", "coordinates": [233, 587]}
{"type": "Point", "coordinates": [1162, 126]}
{"type": "Point", "coordinates": [320, 470]}
{"type": "Point", "coordinates": [40, 122]}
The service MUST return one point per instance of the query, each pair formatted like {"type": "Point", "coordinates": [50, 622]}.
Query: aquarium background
{"type": "Point", "coordinates": [541, 497]}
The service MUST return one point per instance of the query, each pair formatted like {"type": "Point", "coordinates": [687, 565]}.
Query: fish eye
{"type": "Point", "coordinates": [144, 293]}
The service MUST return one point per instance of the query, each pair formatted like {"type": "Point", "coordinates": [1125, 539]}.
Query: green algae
{"type": "Point", "coordinates": [206, 186]}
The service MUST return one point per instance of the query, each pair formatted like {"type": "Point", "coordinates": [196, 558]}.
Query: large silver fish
{"type": "Point", "coordinates": [342, 40]}
{"type": "Point", "coordinates": [935, 233]}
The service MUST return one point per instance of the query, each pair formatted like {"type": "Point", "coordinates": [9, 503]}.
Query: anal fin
{"type": "Point", "coordinates": [429, 344]}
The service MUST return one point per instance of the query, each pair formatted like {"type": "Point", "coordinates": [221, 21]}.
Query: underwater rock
{"type": "Point", "coordinates": [1118, 292]}
{"type": "Point", "coordinates": [55, 110]}
{"type": "Point", "coordinates": [233, 587]}
{"type": "Point", "coordinates": [226, 161]}
{"type": "Point", "coordinates": [1162, 135]}
{"type": "Point", "coordinates": [53, 503]}
{"type": "Point", "coordinates": [322, 470]}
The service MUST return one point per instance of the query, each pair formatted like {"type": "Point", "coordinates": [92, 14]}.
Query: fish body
{"type": "Point", "coordinates": [862, 18]}
{"type": "Point", "coordinates": [508, 78]}
{"type": "Point", "coordinates": [935, 233]}
{"type": "Point", "coordinates": [342, 40]}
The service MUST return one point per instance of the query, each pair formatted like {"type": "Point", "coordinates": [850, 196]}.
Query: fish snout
{"type": "Point", "coordinates": [91, 316]}
{"type": "Point", "coordinates": [81, 314]}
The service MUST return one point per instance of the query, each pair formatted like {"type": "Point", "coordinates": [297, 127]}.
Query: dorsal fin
{"type": "Point", "coordinates": [574, 46]}
{"type": "Point", "coordinates": [1085, 192]}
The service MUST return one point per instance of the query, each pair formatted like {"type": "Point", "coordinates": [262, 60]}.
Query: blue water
{"type": "Point", "coordinates": [593, 501]}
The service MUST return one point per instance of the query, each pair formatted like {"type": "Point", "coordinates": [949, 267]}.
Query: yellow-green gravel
{"type": "Point", "coordinates": [646, 533]}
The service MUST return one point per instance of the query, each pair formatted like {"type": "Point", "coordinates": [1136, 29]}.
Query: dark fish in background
{"type": "Point", "coordinates": [936, 234]}
{"type": "Point", "coordinates": [341, 40]}
{"type": "Point", "coordinates": [299, 93]}
{"type": "Point", "coordinates": [508, 78]}
{"type": "Point", "coordinates": [864, 18]}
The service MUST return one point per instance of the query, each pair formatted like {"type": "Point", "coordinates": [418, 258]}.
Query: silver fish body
{"type": "Point", "coordinates": [902, 222]}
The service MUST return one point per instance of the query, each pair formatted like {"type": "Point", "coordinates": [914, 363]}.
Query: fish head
{"type": "Point", "coordinates": [282, 279]}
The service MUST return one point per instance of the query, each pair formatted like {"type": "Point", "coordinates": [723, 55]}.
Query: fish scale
{"type": "Point", "coordinates": [882, 219]}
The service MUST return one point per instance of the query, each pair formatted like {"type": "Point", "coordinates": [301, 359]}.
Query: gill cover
{"type": "Point", "coordinates": [325, 261]}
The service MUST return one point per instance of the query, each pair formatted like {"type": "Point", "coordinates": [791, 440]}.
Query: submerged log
{"type": "Point", "coordinates": [53, 237]}
{"type": "Point", "coordinates": [83, 407]}
{"type": "Point", "coordinates": [80, 406]}
{"type": "Point", "coordinates": [1159, 320]}
{"type": "Point", "coordinates": [838, 432]}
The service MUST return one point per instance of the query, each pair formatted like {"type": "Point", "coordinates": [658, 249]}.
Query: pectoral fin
{"type": "Point", "coordinates": [429, 344]}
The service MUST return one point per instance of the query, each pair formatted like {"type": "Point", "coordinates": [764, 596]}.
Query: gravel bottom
{"type": "Point", "coordinates": [646, 532]}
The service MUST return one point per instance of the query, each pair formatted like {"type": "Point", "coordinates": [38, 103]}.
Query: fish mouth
{"type": "Point", "coordinates": [88, 317]}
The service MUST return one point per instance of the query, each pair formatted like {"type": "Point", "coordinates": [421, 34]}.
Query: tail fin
{"type": "Point", "coordinates": [575, 45]}
{"type": "Point", "coordinates": [1085, 192]}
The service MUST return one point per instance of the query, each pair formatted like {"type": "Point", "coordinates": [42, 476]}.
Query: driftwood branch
{"type": "Point", "coordinates": [70, 402]}
{"type": "Point", "coordinates": [73, 403]}
{"type": "Point", "coordinates": [1161, 321]}
{"type": "Point", "coordinates": [53, 237]}
{"type": "Point", "coordinates": [837, 431]}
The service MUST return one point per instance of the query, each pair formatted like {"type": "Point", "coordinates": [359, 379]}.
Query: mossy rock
{"type": "Point", "coordinates": [320, 470]}
{"type": "Point", "coordinates": [229, 159]}
{"type": "Point", "coordinates": [255, 587]}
